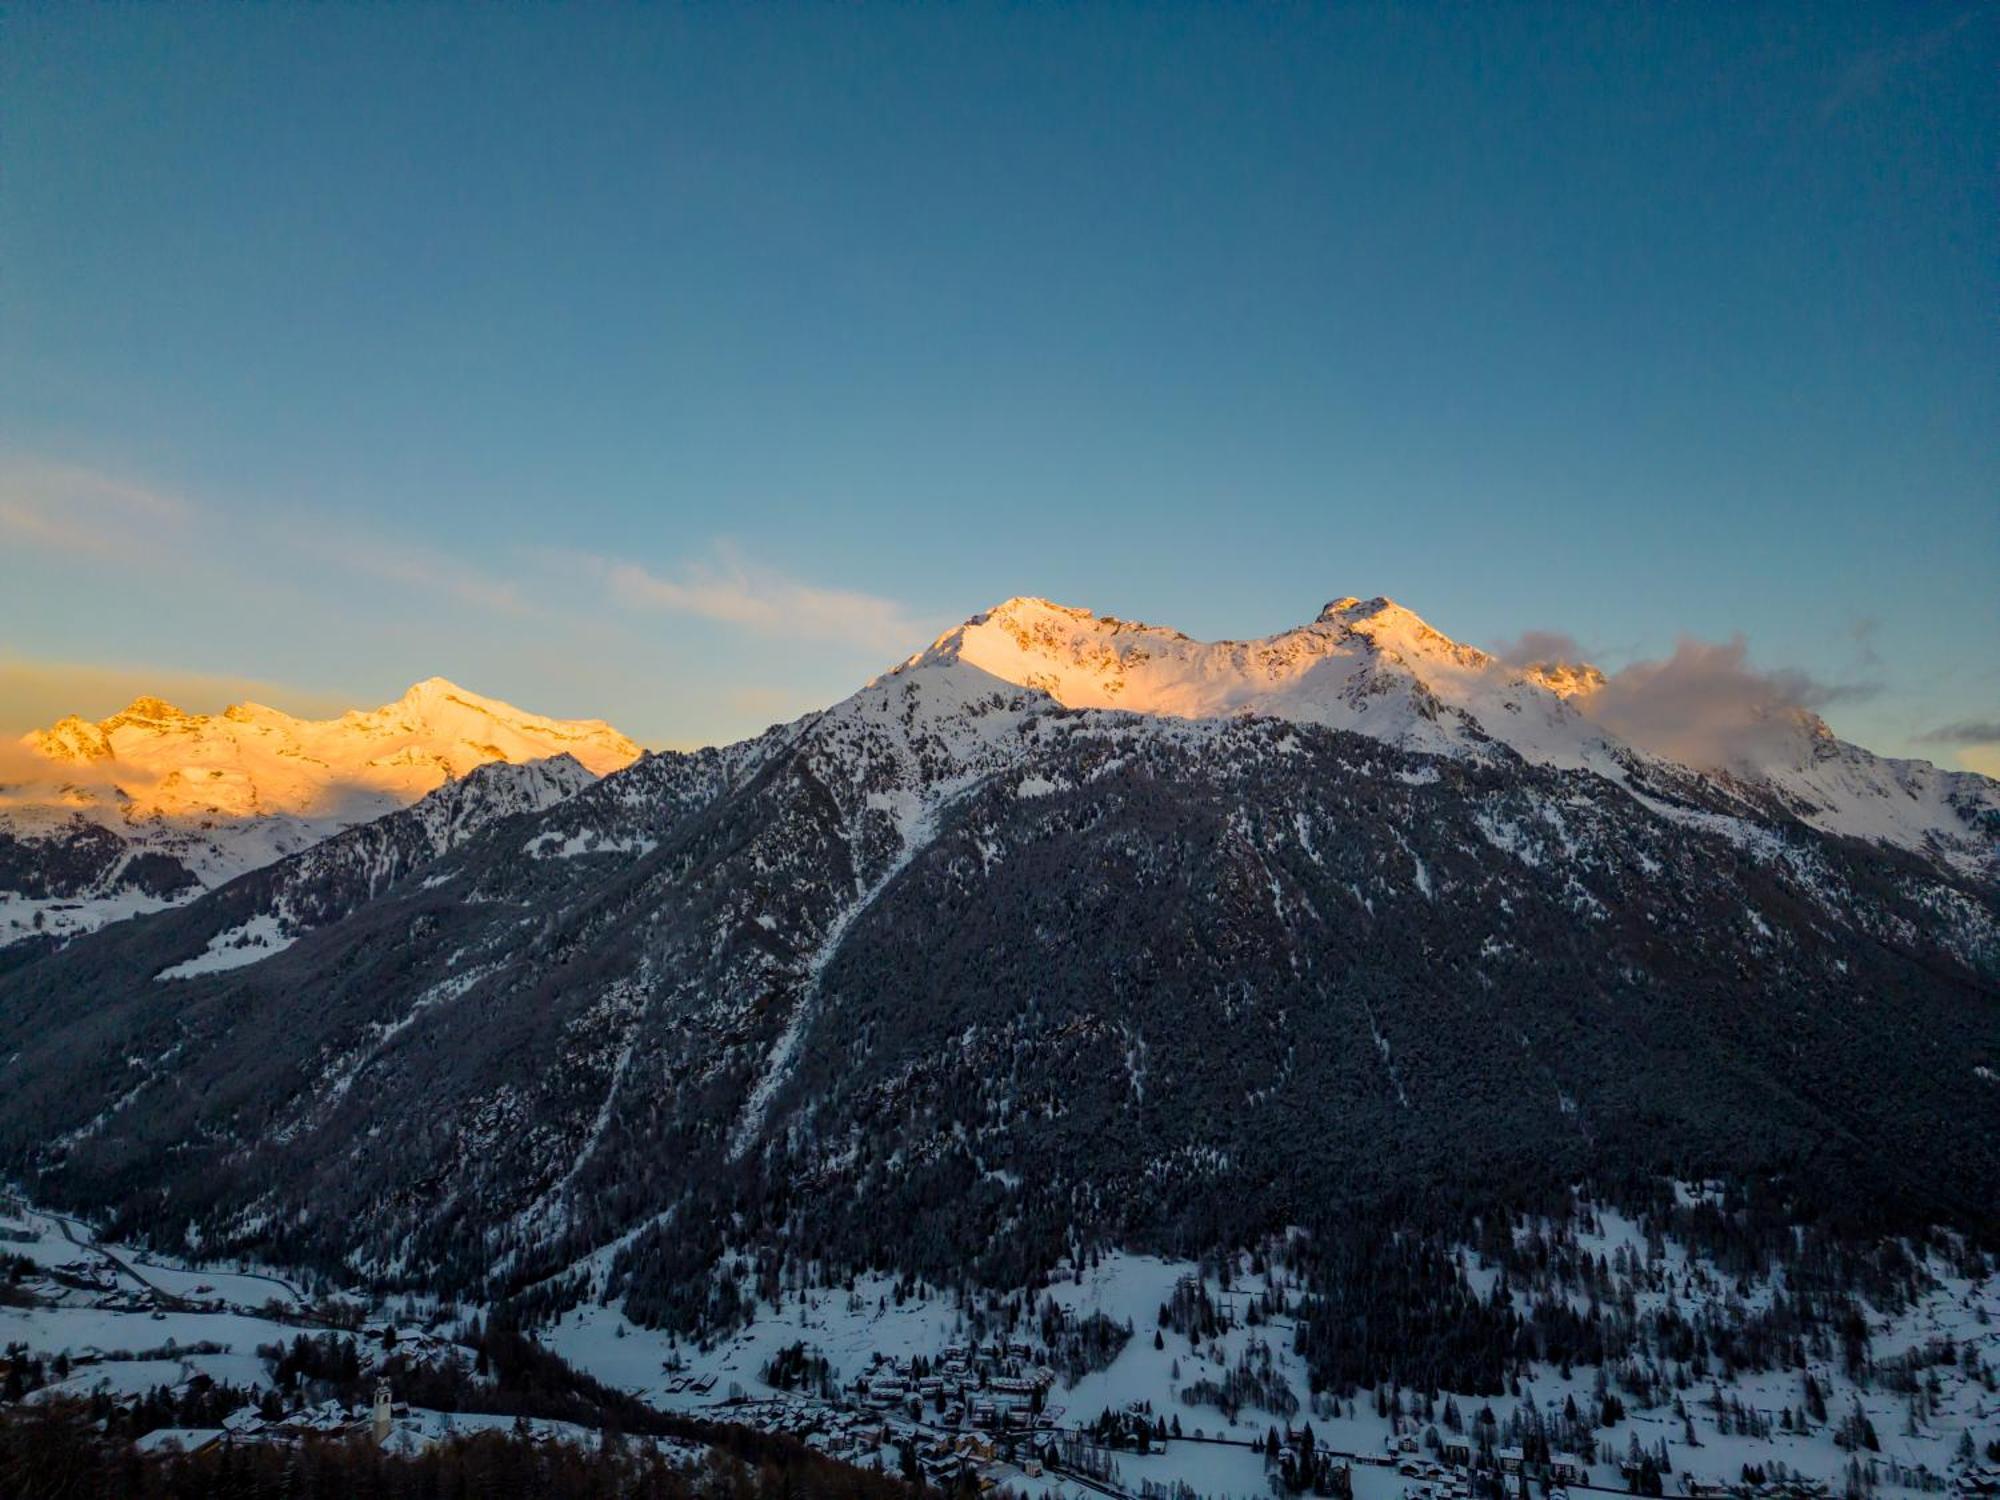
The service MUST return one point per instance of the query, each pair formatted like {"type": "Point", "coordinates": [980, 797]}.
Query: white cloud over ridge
{"type": "Point", "coordinates": [1705, 705]}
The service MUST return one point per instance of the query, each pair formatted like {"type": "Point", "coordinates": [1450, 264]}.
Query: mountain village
{"type": "Point", "coordinates": [924, 1397]}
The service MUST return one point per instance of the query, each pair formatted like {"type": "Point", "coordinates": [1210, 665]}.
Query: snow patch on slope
{"type": "Point", "coordinates": [245, 944]}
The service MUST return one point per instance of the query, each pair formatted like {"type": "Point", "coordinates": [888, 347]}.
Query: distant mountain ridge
{"type": "Point", "coordinates": [152, 804]}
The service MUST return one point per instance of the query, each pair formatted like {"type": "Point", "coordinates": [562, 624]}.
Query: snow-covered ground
{"type": "Point", "coordinates": [51, 1240]}
{"type": "Point", "coordinates": [852, 1330]}
{"type": "Point", "coordinates": [224, 793]}
{"type": "Point", "coordinates": [100, 1318]}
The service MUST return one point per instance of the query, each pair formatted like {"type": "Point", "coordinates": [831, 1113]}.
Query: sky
{"type": "Point", "coordinates": [686, 367]}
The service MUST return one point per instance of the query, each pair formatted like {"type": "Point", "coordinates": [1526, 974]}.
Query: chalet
{"type": "Point", "coordinates": [1457, 1452]}
{"type": "Point", "coordinates": [942, 1470]}
{"type": "Point", "coordinates": [243, 1421]}
{"type": "Point", "coordinates": [177, 1440]}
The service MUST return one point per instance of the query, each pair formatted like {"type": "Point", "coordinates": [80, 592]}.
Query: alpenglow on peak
{"type": "Point", "coordinates": [1366, 664]}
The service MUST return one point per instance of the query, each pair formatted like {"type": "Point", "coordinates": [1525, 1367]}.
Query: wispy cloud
{"type": "Point", "coordinates": [422, 571]}
{"type": "Point", "coordinates": [1540, 648]}
{"type": "Point", "coordinates": [64, 508]}
{"type": "Point", "coordinates": [82, 511]}
{"type": "Point", "coordinates": [92, 515]}
{"type": "Point", "coordinates": [731, 590]}
{"type": "Point", "coordinates": [1963, 732]}
{"type": "Point", "coordinates": [1707, 704]}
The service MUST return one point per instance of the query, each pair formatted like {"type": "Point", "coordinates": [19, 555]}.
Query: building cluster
{"type": "Point", "coordinates": [1793, 1487]}
{"type": "Point", "coordinates": [996, 1387]}
{"type": "Point", "coordinates": [871, 1437]}
{"type": "Point", "coordinates": [97, 1283]}
{"type": "Point", "coordinates": [1431, 1480]}
{"type": "Point", "coordinates": [1455, 1472]}
{"type": "Point", "coordinates": [249, 1424]}
{"type": "Point", "coordinates": [971, 1412]}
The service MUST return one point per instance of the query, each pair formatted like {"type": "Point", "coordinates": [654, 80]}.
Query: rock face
{"type": "Point", "coordinates": [153, 805]}
{"type": "Point", "coordinates": [971, 969]}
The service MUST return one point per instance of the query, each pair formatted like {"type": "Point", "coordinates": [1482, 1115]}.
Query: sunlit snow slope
{"type": "Point", "coordinates": [1372, 666]}
{"type": "Point", "coordinates": [153, 804]}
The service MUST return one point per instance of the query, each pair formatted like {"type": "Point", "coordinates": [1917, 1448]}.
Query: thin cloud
{"type": "Point", "coordinates": [429, 573]}
{"type": "Point", "coordinates": [83, 511]}
{"type": "Point", "coordinates": [1963, 732]}
{"type": "Point", "coordinates": [733, 591]}
{"type": "Point", "coordinates": [66, 508]}
{"type": "Point", "coordinates": [87, 513]}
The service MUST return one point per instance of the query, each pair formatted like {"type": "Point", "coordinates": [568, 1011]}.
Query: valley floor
{"type": "Point", "coordinates": [926, 1372]}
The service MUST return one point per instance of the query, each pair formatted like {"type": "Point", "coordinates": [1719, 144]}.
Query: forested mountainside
{"type": "Point", "coordinates": [952, 980]}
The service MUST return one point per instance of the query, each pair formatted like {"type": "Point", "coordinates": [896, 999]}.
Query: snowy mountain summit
{"type": "Point", "coordinates": [151, 804]}
{"type": "Point", "coordinates": [1368, 665]}
{"type": "Point", "coordinates": [1376, 668]}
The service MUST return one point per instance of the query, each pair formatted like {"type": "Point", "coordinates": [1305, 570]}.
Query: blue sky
{"type": "Point", "coordinates": [685, 367]}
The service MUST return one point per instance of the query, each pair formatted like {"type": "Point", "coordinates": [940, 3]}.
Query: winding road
{"type": "Point", "coordinates": [78, 1233]}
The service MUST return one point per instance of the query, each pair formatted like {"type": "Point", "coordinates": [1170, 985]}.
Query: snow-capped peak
{"type": "Point", "coordinates": [1364, 664]}
{"type": "Point", "coordinates": [219, 794]}
{"type": "Point", "coordinates": [251, 760]}
{"type": "Point", "coordinates": [1375, 667]}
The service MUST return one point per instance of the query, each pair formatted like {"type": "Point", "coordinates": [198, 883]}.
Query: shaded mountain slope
{"type": "Point", "coordinates": [951, 976]}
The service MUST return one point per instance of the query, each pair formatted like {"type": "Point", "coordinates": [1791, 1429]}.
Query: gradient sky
{"type": "Point", "coordinates": [686, 367]}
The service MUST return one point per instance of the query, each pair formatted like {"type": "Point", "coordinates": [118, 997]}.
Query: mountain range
{"type": "Point", "coordinates": [1066, 932]}
{"type": "Point", "coordinates": [152, 805]}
